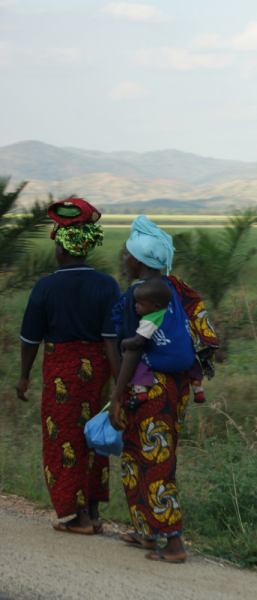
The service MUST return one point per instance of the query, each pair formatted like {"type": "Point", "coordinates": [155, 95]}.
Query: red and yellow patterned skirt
{"type": "Point", "coordinates": [76, 382]}
{"type": "Point", "coordinates": [148, 460]}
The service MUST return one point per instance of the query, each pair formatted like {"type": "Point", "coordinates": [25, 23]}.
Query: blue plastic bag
{"type": "Point", "coordinates": [101, 436]}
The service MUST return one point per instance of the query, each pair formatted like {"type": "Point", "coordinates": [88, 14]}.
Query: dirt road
{"type": "Point", "coordinates": [37, 563]}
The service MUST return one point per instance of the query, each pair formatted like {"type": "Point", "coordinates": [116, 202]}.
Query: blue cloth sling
{"type": "Point", "coordinates": [170, 350]}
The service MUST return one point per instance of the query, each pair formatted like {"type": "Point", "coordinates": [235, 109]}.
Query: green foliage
{"type": "Point", "coordinates": [17, 230]}
{"type": "Point", "coordinates": [212, 264]}
{"type": "Point", "coordinates": [38, 264]}
{"type": "Point", "coordinates": [218, 496]}
{"type": "Point", "coordinates": [214, 261]}
{"type": "Point", "coordinates": [217, 453]}
{"type": "Point", "coordinates": [22, 260]}
{"type": "Point", "coordinates": [116, 509]}
{"type": "Point", "coordinates": [216, 464]}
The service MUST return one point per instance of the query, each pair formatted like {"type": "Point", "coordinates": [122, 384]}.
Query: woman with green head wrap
{"type": "Point", "coordinates": [71, 311]}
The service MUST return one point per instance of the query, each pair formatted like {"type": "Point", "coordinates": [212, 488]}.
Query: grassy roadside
{"type": "Point", "coordinates": [216, 458]}
{"type": "Point", "coordinates": [217, 475]}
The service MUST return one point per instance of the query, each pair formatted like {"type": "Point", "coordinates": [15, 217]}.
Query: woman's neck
{"type": "Point", "coordinates": [72, 260]}
{"type": "Point", "coordinates": [148, 273]}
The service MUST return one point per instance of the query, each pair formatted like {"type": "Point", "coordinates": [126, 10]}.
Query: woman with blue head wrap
{"type": "Point", "coordinates": [151, 428]}
{"type": "Point", "coordinates": [150, 245]}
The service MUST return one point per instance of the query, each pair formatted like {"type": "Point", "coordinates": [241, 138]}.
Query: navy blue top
{"type": "Point", "coordinates": [130, 319]}
{"type": "Point", "coordinates": [74, 303]}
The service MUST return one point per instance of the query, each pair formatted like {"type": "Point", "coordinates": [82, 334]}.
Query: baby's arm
{"type": "Point", "coordinates": [138, 341]}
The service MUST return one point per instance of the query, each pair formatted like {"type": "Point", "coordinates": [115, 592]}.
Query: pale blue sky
{"type": "Point", "coordinates": [137, 76]}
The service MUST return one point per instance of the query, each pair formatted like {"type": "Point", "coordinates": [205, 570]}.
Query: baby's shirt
{"type": "Point", "coordinates": [150, 323]}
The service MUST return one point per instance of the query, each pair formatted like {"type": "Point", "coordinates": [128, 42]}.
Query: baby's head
{"type": "Point", "coordinates": [151, 295]}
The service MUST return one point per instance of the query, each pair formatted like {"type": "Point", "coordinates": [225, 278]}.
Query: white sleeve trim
{"type": "Point", "coordinates": [30, 341]}
{"type": "Point", "coordinates": [109, 335]}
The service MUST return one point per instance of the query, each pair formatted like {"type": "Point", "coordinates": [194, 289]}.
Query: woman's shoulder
{"type": "Point", "coordinates": [44, 282]}
{"type": "Point", "coordinates": [108, 282]}
{"type": "Point", "coordinates": [106, 276]}
{"type": "Point", "coordinates": [180, 286]}
{"type": "Point", "coordinates": [129, 293]}
{"type": "Point", "coordinates": [130, 288]}
{"type": "Point", "coordinates": [41, 288]}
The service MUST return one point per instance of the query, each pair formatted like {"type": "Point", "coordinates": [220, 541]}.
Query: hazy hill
{"type": "Point", "coordinates": [35, 160]}
{"type": "Point", "coordinates": [182, 179]}
{"type": "Point", "coordinates": [172, 164]}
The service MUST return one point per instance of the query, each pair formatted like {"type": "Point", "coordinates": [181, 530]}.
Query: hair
{"type": "Point", "coordinates": [154, 290]}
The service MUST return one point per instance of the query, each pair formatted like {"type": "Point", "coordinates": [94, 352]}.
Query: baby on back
{"type": "Point", "coordinates": [152, 298]}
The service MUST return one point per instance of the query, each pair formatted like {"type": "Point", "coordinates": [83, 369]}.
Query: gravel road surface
{"type": "Point", "coordinates": [38, 563]}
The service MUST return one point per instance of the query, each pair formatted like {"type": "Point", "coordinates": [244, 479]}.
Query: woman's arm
{"type": "Point", "coordinates": [28, 355]}
{"type": "Point", "coordinates": [113, 356]}
{"type": "Point", "coordinates": [130, 361]}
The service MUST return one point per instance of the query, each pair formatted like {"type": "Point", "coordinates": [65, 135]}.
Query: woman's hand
{"type": "Point", "coordinates": [28, 355]}
{"type": "Point", "coordinates": [114, 414]}
{"type": "Point", "coordinates": [128, 366]}
{"type": "Point", "coordinates": [21, 388]}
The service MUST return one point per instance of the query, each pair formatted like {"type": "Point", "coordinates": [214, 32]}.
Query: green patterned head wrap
{"type": "Point", "coordinates": [81, 240]}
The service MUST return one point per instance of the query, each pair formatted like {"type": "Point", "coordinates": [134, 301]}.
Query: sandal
{"type": "Point", "coordinates": [158, 555]}
{"type": "Point", "coordinates": [67, 528]}
{"type": "Point", "coordinates": [132, 539]}
{"type": "Point", "coordinates": [97, 527]}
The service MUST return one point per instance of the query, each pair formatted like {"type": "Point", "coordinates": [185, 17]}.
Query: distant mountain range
{"type": "Point", "coordinates": [184, 181]}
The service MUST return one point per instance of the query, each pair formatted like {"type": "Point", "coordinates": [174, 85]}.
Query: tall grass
{"type": "Point", "coordinates": [217, 475]}
{"type": "Point", "coordinates": [218, 495]}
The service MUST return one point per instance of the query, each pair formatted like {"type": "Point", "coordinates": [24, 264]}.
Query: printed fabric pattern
{"type": "Point", "coordinates": [77, 380]}
{"type": "Point", "coordinates": [148, 460]}
{"type": "Point", "coordinates": [203, 335]}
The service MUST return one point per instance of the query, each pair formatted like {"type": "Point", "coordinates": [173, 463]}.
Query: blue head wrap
{"type": "Point", "coordinates": [150, 245]}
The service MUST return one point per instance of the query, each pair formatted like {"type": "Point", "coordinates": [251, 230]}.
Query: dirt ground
{"type": "Point", "coordinates": [38, 563]}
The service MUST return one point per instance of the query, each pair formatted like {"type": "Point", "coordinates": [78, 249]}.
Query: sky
{"type": "Point", "coordinates": [131, 76]}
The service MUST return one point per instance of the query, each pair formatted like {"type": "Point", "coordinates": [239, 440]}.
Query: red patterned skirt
{"type": "Point", "coordinates": [148, 460]}
{"type": "Point", "coordinates": [76, 381]}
